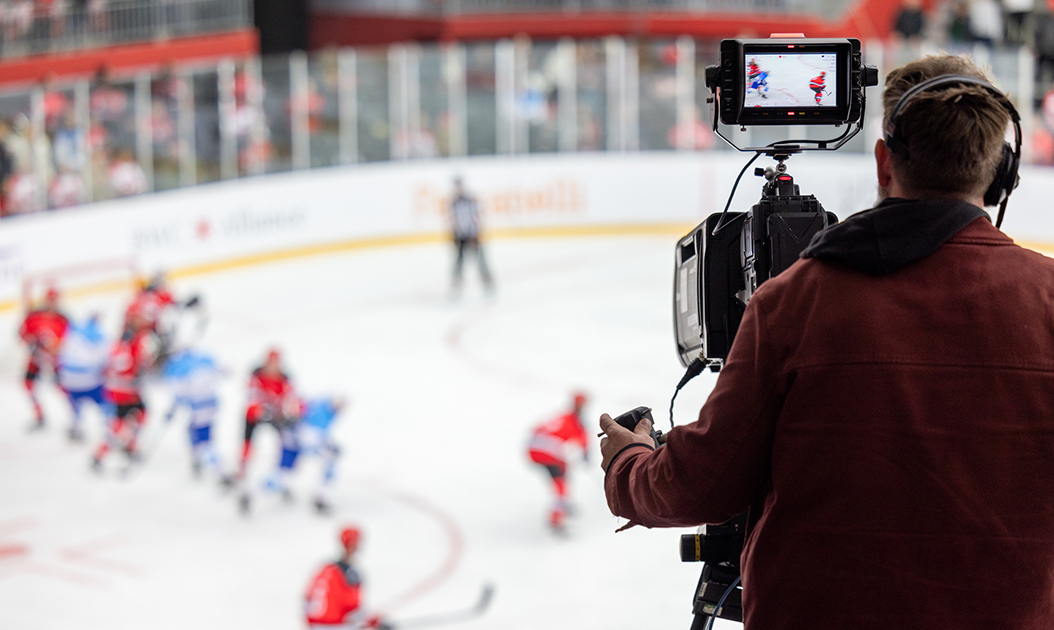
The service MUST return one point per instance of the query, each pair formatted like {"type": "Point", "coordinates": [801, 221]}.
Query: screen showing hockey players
{"type": "Point", "coordinates": [795, 80]}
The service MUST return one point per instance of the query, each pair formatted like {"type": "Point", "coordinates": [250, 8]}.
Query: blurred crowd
{"type": "Point", "coordinates": [57, 161]}
{"type": "Point", "coordinates": [35, 26]}
{"type": "Point", "coordinates": [38, 26]}
{"type": "Point", "coordinates": [69, 143]}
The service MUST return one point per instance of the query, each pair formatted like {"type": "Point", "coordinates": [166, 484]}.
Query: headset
{"type": "Point", "coordinates": [1006, 175]}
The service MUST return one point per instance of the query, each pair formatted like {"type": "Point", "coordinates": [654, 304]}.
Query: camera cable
{"type": "Point", "coordinates": [721, 221]}
{"type": "Point", "coordinates": [721, 602]}
{"type": "Point", "coordinates": [695, 368]}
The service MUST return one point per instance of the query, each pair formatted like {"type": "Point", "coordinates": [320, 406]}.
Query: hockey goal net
{"type": "Point", "coordinates": [74, 281]}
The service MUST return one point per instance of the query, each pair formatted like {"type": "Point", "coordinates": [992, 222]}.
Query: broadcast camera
{"type": "Point", "coordinates": [778, 81]}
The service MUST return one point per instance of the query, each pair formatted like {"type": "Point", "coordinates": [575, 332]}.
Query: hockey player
{"type": "Point", "coordinates": [752, 69]}
{"type": "Point", "coordinates": [817, 85]}
{"type": "Point", "coordinates": [133, 355]}
{"type": "Point", "coordinates": [194, 378]}
{"type": "Point", "coordinates": [547, 447]}
{"type": "Point", "coordinates": [42, 330]}
{"type": "Point", "coordinates": [334, 597]}
{"type": "Point", "coordinates": [151, 301]}
{"type": "Point", "coordinates": [272, 400]}
{"type": "Point", "coordinates": [155, 303]}
{"type": "Point", "coordinates": [760, 83]}
{"type": "Point", "coordinates": [81, 371]}
{"type": "Point", "coordinates": [310, 437]}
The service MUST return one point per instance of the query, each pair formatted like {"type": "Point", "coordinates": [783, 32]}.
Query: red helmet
{"type": "Point", "coordinates": [52, 294]}
{"type": "Point", "coordinates": [580, 399]}
{"type": "Point", "coordinates": [273, 355]}
{"type": "Point", "coordinates": [349, 537]}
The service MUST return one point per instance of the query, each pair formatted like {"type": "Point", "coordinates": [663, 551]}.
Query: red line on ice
{"type": "Point", "coordinates": [455, 549]}
{"type": "Point", "coordinates": [87, 553]}
{"type": "Point", "coordinates": [8, 551]}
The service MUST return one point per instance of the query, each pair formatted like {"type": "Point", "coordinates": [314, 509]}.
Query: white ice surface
{"type": "Point", "coordinates": [443, 395]}
{"type": "Point", "coordinates": [788, 81]}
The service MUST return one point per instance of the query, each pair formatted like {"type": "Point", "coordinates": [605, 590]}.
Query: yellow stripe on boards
{"type": "Point", "coordinates": [238, 262]}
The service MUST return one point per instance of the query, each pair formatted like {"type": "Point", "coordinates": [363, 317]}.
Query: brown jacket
{"type": "Point", "coordinates": [898, 429]}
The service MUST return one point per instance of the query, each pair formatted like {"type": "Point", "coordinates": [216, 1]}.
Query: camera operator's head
{"type": "Point", "coordinates": [954, 134]}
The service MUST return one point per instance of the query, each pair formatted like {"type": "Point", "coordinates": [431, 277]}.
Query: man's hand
{"type": "Point", "coordinates": [618, 437]}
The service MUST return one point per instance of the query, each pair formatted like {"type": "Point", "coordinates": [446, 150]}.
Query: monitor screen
{"type": "Point", "coordinates": [796, 80]}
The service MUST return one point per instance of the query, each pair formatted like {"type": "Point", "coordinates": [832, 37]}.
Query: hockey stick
{"type": "Point", "coordinates": [453, 616]}
{"type": "Point", "coordinates": [147, 453]}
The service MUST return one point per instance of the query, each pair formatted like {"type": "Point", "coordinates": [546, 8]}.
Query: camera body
{"type": "Point", "coordinates": [726, 258]}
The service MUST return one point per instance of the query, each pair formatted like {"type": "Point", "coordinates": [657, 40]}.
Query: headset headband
{"type": "Point", "coordinates": [893, 137]}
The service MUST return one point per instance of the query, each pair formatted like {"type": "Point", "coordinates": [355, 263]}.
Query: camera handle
{"type": "Point", "coordinates": [779, 151]}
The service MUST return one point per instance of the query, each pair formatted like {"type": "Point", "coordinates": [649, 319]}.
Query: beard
{"type": "Point", "coordinates": [883, 194]}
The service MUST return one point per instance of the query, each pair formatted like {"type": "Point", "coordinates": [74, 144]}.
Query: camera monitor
{"type": "Point", "coordinates": [788, 81]}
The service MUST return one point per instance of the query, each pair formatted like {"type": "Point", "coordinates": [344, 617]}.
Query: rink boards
{"type": "Point", "coordinates": [240, 222]}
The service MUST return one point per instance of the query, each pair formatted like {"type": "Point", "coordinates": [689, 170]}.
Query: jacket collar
{"type": "Point", "coordinates": [893, 234]}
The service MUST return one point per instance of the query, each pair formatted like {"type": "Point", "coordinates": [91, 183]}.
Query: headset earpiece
{"type": "Point", "coordinates": [1006, 178]}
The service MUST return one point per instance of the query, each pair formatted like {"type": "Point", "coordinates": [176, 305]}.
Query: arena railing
{"type": "Point", "coordinates": [30, 28]}
{"type": "Point", "coordinates": [95, 139]}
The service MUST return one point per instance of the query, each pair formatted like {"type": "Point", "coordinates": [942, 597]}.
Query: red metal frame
{"type": "Point", "coordinates": [28, 70]}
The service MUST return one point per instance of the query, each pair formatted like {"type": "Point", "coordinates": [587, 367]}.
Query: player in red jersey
{"type": "Point", "coordinates": [547, 447]}
{"type": "Point", "coordinates": [333, 600]}
{"type": "Point", "coordinates": [153, 302]}
{"type": "Point", "coordinates": [134, 354]}
{"type": "Point", "coordinates": [753, 70]}
{"type": "Point", "coordinates": [817, 85]}
{"type": "Point", "coordinates": [271, 400]}
{"type": "Point", "coordinates": [42, 330]}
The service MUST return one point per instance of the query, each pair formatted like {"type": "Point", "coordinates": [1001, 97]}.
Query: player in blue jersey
{"type": "Point", "coordinates": [310, 437]}
{"type": "Point", "coordinates": [194, 378]}
{"type": "Point", "coordinates": [82, 361]}
{"type": "Point", "coordinates": [760, 84]}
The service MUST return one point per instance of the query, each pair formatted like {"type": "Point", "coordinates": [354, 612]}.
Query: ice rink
{"type": "Point", "coordinates": [443, 395]}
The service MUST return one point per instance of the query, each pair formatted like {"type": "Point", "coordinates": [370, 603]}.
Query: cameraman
{"type": "Point", "coordinates": [887, 408]}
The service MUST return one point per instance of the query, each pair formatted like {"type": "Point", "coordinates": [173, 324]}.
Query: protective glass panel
{"type": "Point", "coordinates": [372, 93]}
{"type": "Point", "coordinates": [323, 108]}
{"type": "Point", "coordinates": [433, 133]}
{"type": "Point", "coordinates": [115, 167]}
{"type": "Point", "coordinates": [165, 88]}
{"type": "Point", "coordinates": [658, 94]}
{"type": "Point", "coordinates": [274, 141]}
{"type": "Point", "coordinates": [537, 100]}
{"type": "Point", "coordinates": [480, 99]}
{"type": "Point", "coordinates": [207, 125]}
{"type": "Point", "coordinates": [591, 80]}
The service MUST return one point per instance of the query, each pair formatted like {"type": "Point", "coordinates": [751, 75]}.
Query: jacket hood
{"type": "Point", "coordinates": [893, 234]}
